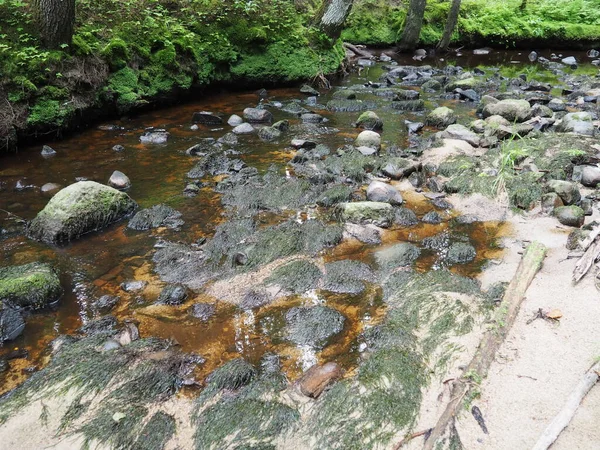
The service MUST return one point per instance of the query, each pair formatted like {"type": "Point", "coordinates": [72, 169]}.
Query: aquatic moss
{"type": "Point", "coordinates": [347, 276]}
{"type": "Point", "coordinates": [296, 276]}
{"type": "Point", "coordinates": [33, 285]}
{"type": "Point", "coordinates": [232, 375]}
{"type": "Point", "coordinates": [156, 433]}
{"type": "Point", "coordinates": [334, 195]}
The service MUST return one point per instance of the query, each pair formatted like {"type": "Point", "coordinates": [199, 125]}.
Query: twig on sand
{"type": "Point", "coordinates": [410, 437]}
{"type": "Point", "coordinates": [564, 417]}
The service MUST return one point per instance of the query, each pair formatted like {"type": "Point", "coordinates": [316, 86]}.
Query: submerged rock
{"type": "Point", "coordinates": [105, 303]}
{"type": "Point", "coordinates": [154, 217]}
{"type": "Point", "coordinates": [11, 323]}
{"type": "Point", "coordinates": [206, 118]}
{"type": "Point", "coordinates": [172, 295]}
{"type": "Point", "coordinates": [103, 325]}
{"type": "Point", "coordinates": [367, 234]}
{"type": "Point", "coordinates": [399, 255]}
{"type": "Point", "coordinates": [257, 115]}
{"type": "Point", "coordinates": [49, 189]}
{"type": "Point", "coordinates": [461, 253]}
{"type": "Point", "coordinates": [313, 325]}
{"type": "Point", "coordinates": [377, 213]}
{"type": "Point", "coordinates": [347, 276]}
{"type": "Point", "coordinates": [32, 286]}
{"type": "Point", "coordinates": [154, 137]}
{"type": "Point", "coordinates": [78, 209]}
{"type": "Point", "coordinates": [202, 311]}
{"type": "Point", "coordinates": [47, 151]}
{"type": "Point", "coordinates": [133, 285]}
{"type": "Point", "coordinates": [269, 133]}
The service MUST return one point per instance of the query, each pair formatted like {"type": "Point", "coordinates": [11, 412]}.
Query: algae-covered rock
{"type": "Point", "coordinates": [566, 190]}
{"type": "Point", "coordinates": [441, 117]}
{"type": "Point", "coordinates": [78, 209]}
{"type": "Point", "coordinates": [377, 213]}
{"type": "Point", "coordinates": [347, 276]}
{"type": "Point", "coordinates": [461, 253]}
{"type": "Point", "coordinates": [511, 110]}
{"type": "Point", "coordinates": [334, 195]}
{"type": "Point", "coordinates": [399, 255]}
{"type": "Point", "coordinates": [405, 217]}
{"type": "Point", "coordinates": [369, 121]}
{"type": "Point", "coordinates": [172, 295]}
{"type": "Point", "coordinates": [31, 286]}
{"type": "Point", "coordinates": [269, 133]}
{"type": "Point", "coordinates": [156, 216]}
{"type": "Point", "coordinates": [572, 216]}
{"type": "Point", "coordinates": [296, 276]}
{"type": "Point", "coordinates": [11, 323]}
{"type": "Point", "coordinates": [232, 375]}
{"type": "Point", "coordinates": [313, 325]}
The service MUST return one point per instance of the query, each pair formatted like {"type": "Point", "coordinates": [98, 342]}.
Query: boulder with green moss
{"type": "Point", "coordinates": [511, 110]}
{"type": "Point", "coordinates": [313, 325]}
{"type": "Point", "coordinates": [572, 216]}
{"type": "Point", "coordinates": [79, 209]}
{"type": "Point", "coordinates": [369, 121]}
{"type": "Point", "coordinates": [377, 213]}
{"type": "Point", "coordinates": [441, 117]}
{"type": "Point", "coordinates": [31, 286]}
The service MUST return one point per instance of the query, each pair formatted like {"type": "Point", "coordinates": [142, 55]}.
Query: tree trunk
{"type": "Point", "coordinates": [332, 16]}
{"type": "Point", "coordinates": [523, 5]}
{"type": "Point", "coordinates": [450, 25]}
{"type": "Point", "coordinates": [412, 26]}
{"type": "Point", "coordinates": [56, 20]}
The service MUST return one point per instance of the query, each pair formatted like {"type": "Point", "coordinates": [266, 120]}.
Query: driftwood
{"type": "Point", "coordinates": [493, 338]}
{"type": "Point", "coordinates": [358, 51]}
{"type": "Point", "coordinates": [591, 246]}
{"type": "Point", "coordinates": [563, 418]}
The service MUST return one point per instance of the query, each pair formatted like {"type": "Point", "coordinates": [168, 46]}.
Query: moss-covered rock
{"type": "Point", "coordinates": [154, 217]}
{"type": "Point", "coordinates": [347, 276]}
{"type": "Point", "coordinates": [377, 213]}
{"type": "Point", "coordinates": [313, 325]}
{"type": "Point", "coordinates": [78, 209]}
{"type": "Point", "coordinates": [11, 323]}
{"type": "Point", "coordinates": [511, 110]}
{"type": "Point", "coordinates": [461, 253]}
{"type": "Point", "coordinates": [296, 276]}
{"type": "Point", "coordinates": [232, 375]}
{"type": "Point", "coordinates": [31, 286]}
{"type": "Point", "coordinates": [572, 216]}
{"type": "Point", "coordinates": [369, 121]}
{"type": "Point", "coordinates": [399, 255]}
{"type": "Point", "coordinates": [441, 117]}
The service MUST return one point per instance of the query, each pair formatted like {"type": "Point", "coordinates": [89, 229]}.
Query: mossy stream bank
{"type": "Point", "coordinates": [294, 247]}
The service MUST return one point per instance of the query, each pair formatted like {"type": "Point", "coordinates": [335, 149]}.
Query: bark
{"type": "Point", "coordinates": [56, 20]}
{"type": "Point", "coordinates": [450, 25]}
{"type": "Point", "coordinates": [332, 16]}
{"type": "Point", "coordinates": [412, 26]}
{"type": "Point", "coordinates": [493, 338]}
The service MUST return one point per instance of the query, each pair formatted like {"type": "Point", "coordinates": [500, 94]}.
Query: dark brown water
{"type": "Point", "coordinates": [96, 264]}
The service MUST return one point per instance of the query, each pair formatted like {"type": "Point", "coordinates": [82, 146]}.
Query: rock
{"type": "Point", "coordinates": [128, 334]}
{"type": "Point", "coordinates": [269, 133]}
{"type": "Point", "coordinates": [468, 94]}
{"type": "Point", "coordinates": [593, 53]}
{"type": "Point", "coordinates": [255, 115]}
{"type": "Point", "coordinates": [463, 84]}
{"type": "Point", "coordinates": [572, 216]}
{"type": "Point", "coordinates": [461, 133]}
{"type": "Point", "coordinates": [367, 151]}
{"type": "Point", "coordinates": [376, 213]}
{"type": "Point", "coordinates": [11, 323]}
{"type": "Point", "coordinates": [119, 180]}
{"type": "Point", "coordinates": [229, 139]}
{"type": "Point", "coordinates": [157, 216]}
{"type": "Point", "coordinates": [556, 105]}
{"type": "Point", "coordinates": [80, 208]}
{"type": "Point", "coordinates": [105, 303]}
{"type": "Point", "coordinates": [587, 206]}
{"type": "Point", "coordinates": [232, 375]}
{"type": "Point", "coordinates": [172, 295]}
{"type": "Point", "coordinates": [110, 345]}
{"type": "Point", "coordinates": [383, 192]}
{"type": "Point", "coordinates": [347, 277]}
{"type": "Point", "coordinates": [32, 286]}
{"type": "Point", "coordinates": [244, 128]}
{"type": "Point", "coordinates": [579, 123]}
{"type": "Point", "coordinates": [282, 125]}
{"type": "Point", "coordinates": [441, 117]}
{"type": "Point", "coordinates": [367, 234]}
{"type": "Point", "coordinates": [235, 120]}
{"type": "Point", "coordinates": [405, 217]}
{"type": "Point", "coordinates": [309, 90]}
{"type": "Point", "coordinates": [567, 191]}
{"type": "Point", "coordinates": [369, 121]}
{"type": "Point", "coordinates": [313, 325]}
{"type": "Point", "coordinates": [368, 138]}
{"type": "Point", "coordinates": [202, 311]}
{"type": "Point", "coordinates": [154, 137]}
{"type": "Point", "coordinates": [432, 218]}
{"type": "Point", "coordinates": [533, 56]}
{"type": "Point", "coordinates": [397, 168]}
{"type": "Point", "coordinates": [316, 379]}
{"type": "Point", "coordinates": [303, 143]}
{"type": "Point", "coordinates": [191, 190]}
{"type": "Point", "coordinates": [3, 363]}
{"type": "Point", "coordinates": [460, 253]}
{"type": "Point", "coordinates": [590, 176]}
{"type": "Point", "coordinates": [48, 152]}
{"type": "Point", "coordinates": [538, 110]}
{"type": "Point", "coordinates": [312, 118]}
{"type": "Point", "coordinates": [49, 189]}
{"type": "Point", "coordinates": [511, 110]}
{"type": "Point", "coordinates": [399, 255]}
{"type": "Point", "coordinates": [206, 118]}
{"type": "Point", "coordinates": [569, 61]}
{"type": "Point", "coordinates": [482, 51]}
{"type": "Point", "coordinates": [134, 285]}
{"type": "Point", "coordinates": [118, 148]}
{"type": "Point", "coordinates": [414, 127]}
{"type": "Point", "coordinates": [103, 325]}
{"type": "Point", "coordinates": [550, 201]}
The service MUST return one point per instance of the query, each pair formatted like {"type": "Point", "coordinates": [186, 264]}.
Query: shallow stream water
{"type": "Point", "coordinates": [98, 263]}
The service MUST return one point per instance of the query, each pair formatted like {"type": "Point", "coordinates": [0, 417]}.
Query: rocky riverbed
{"type": "Point", "coordinates": [284, 256]}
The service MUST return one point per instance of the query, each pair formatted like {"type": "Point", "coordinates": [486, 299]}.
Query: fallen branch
{"type": "Point", "coordinates": [410, 437]}
{"type": "Point", "coordinates": [493, 338]}
{"type": "Point", "coordinates": [589, 257]}
{"type": "Point", "coordinates": [564, 417]}
{"type": "Point", "coordinates": [358, 51]}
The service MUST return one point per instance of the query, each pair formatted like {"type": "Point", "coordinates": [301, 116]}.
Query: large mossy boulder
{"type": "Point", "coordinates": [313, 325]}
{"type": "Point", "coordinates": [441, 117]}
{"type": "Point", "coordinates": [369, 121]}
{"type": "Point", "coordinates": [78, 209]}
{"type": "Point", "coordinates": [32, 286]}
{"type": "Point", "coordinates": [377, 213]}
{"type": "Point", "coordinates": [511, 110]}
{"type": "Point", "coordinates": [572, 216]}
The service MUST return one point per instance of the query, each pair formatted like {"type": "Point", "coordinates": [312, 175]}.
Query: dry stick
{"type": "Point", "coordinates": [410, 437]}
{"type": "Point", "coordinates": [358, 51]}
{"type": "Point", "coordinates": [493, 338]}
{"type": "Point", "coordinates": [563, 418]}
{"type": "Point", "coordinates": [589, 257]}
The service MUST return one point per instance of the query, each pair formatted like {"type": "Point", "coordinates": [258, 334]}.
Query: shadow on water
{"type": "Point", "coordinates": [99, 262]}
